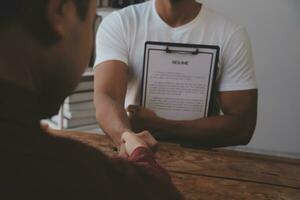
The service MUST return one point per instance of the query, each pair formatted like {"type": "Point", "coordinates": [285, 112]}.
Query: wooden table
{"type": "Point", "coordinates": [218, 174]}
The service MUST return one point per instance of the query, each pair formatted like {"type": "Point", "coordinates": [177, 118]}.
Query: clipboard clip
{"type": "Point", "coordinates": [196, 52]}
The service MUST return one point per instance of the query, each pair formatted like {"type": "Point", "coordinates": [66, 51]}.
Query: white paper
{"type": "Point", "coordinates": [177, 86]}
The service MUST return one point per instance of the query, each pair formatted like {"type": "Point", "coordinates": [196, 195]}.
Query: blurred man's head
{"type": "Point", "coordinates": [59, 36]}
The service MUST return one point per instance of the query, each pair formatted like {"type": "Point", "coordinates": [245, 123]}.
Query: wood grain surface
{"type": "Point", "coordinates": [206, 188]}
{"type": "Point", "coordinates": [218, 174]}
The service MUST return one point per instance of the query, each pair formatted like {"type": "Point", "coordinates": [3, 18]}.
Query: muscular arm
{"type": "Point", "coordinates": [110, 90]}
{"type": "Point", "coordinates": [235, 127]}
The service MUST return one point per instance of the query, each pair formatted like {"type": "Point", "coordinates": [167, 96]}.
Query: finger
{"type": "Point", "coordinates": [152, 144]}
{"type": "Point", "coordinates": [44, 126]}
{"type": "Point", "coordinates": [130, 108]}
{"type": "Point", "coordinates": [122, 152]}
{"type": "Point", "coordinates": [133, 108]}
{"type": "Point", "coordinates": [149, 140]}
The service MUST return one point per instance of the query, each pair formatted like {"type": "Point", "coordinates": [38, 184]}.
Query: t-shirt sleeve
{"type": "Point", "coordinates": [237, 69]}
{"type": "Point", "coordinates": [111, 40]}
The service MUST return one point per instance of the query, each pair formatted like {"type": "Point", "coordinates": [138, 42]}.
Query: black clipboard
{"type": "Point", "coordinates": [192, 49]}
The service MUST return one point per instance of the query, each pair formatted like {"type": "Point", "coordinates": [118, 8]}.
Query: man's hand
{"type": "Point", "coordinates": [148, 139]}
{"type": "Point", "coordinates": [45, 126]}
{"type": "Point", "coordinates": [142, 118]}
{"type": "Point", "coordinates": [131, 141]}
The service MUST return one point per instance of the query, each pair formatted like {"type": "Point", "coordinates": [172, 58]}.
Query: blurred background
{"type": "Point", "coordinates": [274, 29]}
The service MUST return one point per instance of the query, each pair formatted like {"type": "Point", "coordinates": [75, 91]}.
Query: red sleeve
{"type": "Point", "coordinates": [141, 177]}
{"type": "Point", "coordinates": [93, 174]}
{"type": "Point", "coordinates": [144, 157]}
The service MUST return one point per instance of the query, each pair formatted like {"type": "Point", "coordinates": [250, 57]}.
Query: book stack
{"type": "Point", "coordinates": [78, 111]}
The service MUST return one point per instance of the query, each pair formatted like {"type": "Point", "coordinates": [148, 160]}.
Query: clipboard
{"type": "Point", "coordinates": [179, 79]}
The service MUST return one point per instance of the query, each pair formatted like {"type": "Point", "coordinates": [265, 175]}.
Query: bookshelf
{"type": "Point", "coordinates": [77, 113]}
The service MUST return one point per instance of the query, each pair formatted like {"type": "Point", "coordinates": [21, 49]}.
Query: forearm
{"type": "Point", "coordinates": [112, 117]}
{"type": "Point", "coordinates": [219, 131]}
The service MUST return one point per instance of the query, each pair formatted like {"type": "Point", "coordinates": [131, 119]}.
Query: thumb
{"type": "Point", "coordinates": [132, 108]}
{"type": "Point", "coordinates": [122, 151]}
{"type": "Point", "coordinates": [44, 126]}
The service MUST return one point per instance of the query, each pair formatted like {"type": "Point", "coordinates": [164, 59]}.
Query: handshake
{"type": "Point", "coordinates": [131, 141]}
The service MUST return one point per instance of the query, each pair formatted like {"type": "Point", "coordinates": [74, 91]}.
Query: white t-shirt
{"type": "Point", "coordinates": [122, 36]}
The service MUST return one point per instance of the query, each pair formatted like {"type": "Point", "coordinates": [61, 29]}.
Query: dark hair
{"type": "Point", "coordinates": [32, 16]}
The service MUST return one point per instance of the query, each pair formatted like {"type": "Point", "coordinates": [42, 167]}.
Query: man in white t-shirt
{"type": "Point", "coordinates": [119, 64]}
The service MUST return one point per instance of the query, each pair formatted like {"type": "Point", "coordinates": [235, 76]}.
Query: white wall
{"type": "Point", "coordinates": [274, 28]}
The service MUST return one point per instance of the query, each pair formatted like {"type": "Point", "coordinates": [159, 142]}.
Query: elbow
{"type": "Point", "coordinates": [245, 140]}
{"type": "Point", "coordinates": [246, 129]}
{"type": "Point", "coordinates": [247, 134]}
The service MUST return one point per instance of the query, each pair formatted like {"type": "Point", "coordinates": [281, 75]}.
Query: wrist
{"type": "Point", "coordinates": [134, 141]}
{"type": "Point", "coordinates": [154, 124]}
{"type": "Point", "coordinates": [162, 128]}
